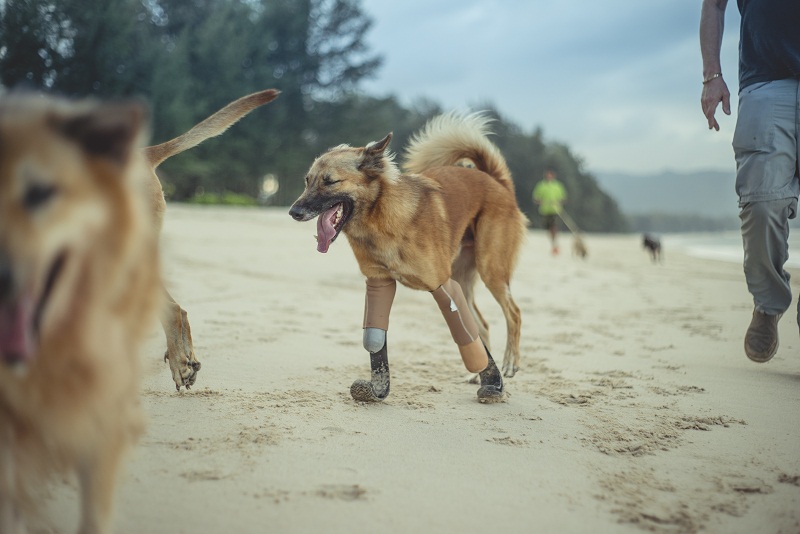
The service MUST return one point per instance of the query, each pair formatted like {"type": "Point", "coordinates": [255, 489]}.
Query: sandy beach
{"type": "Point", "coordinates": [635, 408]}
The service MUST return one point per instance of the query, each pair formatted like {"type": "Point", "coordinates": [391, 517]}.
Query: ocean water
{"type": "Point", "coordinates": [723, 246]}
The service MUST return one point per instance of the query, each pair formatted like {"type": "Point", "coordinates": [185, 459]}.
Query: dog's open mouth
{"type": "Point", "coordinates": [20, 320]}
{"type": "Point", "coordinates": [17, 343]}
{"type": "Point", "coordinates": [330, 223]}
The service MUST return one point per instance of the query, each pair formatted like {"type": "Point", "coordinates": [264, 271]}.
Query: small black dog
{"type": "Point", "coordinates": [653, 245]}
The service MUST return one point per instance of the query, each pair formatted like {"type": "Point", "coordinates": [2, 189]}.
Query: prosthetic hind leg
{"type": "Point", "coordinates": [378, 304]}
{"type": "Point", "coordinates": [464, 330]}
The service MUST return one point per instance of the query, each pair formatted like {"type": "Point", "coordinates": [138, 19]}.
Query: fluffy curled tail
{"type": "Point", "coordinates": [450, 138]}
{"type": "Point", "coordinates": [212, 126]}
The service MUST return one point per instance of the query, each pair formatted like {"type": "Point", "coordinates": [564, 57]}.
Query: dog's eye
{"type": "Point", "coordinates": [328, 181]}
{"type": "Point", "coordinates": [38, 195]}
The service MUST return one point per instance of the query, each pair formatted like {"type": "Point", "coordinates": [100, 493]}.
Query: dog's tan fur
{"type": "Point", "coordinates": [73, 193]}
{"type": "Point", "coordinates": [180, 351]}
{"type": "Point", "coordinates": [437, 221]}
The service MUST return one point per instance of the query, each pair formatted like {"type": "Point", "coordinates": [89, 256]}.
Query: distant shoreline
{"type": "Point", "coordinates": [722, 246]}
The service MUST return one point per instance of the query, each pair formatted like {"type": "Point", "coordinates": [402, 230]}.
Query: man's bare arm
{"type": "Point", "coordinates": [715, 90]}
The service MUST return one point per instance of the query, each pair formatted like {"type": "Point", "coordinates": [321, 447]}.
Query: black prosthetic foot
{"type": "Point", "coordinates": [491, 389]}
{"type": "Point", "coordinates": [376, 389]}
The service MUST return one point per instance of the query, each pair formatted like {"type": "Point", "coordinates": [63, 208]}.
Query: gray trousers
{"type": "Point", "coordinates": [766, 143]}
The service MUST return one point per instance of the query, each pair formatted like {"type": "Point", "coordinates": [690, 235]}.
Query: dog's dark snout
{"type": "Point", "coordinates": [298, 214]}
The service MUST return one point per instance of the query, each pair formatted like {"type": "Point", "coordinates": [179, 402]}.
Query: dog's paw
{"type": "Point", "coordinates": [509, 369]}
{"type": "Point", "coordinates": [184, 369]}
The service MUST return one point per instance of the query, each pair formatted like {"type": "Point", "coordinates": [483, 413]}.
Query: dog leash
{"type": "Point", "coordinates": [569, 222]}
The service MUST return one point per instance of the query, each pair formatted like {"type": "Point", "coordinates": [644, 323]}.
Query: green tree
{"type": "Point", "coordinates": [206, 63]}
{"type": "Point", "coordinates": [77, 47]}
{"type": "Point", "coordinates": [312, 50]}
{"type": "Point", "coordinates": [109, 48]}
{"type": "Point", "coordinates": [340, 57]}
{"type": "Point", "coordinates": [32, 36]}
{"type": "Point", "coordinates": [191, 57]}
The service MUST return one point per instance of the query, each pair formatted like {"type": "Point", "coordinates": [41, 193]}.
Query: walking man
{"type": "Point", "coordinates": [765, 144]}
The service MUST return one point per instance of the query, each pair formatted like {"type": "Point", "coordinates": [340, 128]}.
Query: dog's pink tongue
{"type": "Point", "coordinates": [325, 229]}
{"type": "Point", "coordinates": [16, 337]}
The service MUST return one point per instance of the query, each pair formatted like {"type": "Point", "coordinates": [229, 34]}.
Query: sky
{"type": "Point", "coordinates": [618, 81]}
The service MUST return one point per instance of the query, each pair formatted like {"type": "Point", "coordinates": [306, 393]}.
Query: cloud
{"type": "Point", "coordinates": [617, 81]}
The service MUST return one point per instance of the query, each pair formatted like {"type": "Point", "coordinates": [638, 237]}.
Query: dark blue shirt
{"type": "Point", "coordinates": [769, 45]}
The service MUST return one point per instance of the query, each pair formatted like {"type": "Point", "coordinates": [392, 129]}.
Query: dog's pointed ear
{"type": "Point", "coordinates": [372, 163]}
{"type": "Point", "coordinates": [109, 130]}
{"type": "Point", "coordinates": [377, 148]}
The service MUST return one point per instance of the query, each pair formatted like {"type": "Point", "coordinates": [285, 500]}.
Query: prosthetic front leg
{"type": "Point", "coordinates": [464, 330]}
{"type": "Point", "coordinates": [378, 304]}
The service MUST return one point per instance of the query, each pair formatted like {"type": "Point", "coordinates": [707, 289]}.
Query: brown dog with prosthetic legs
{"type": "Point", "coordinates": [436, 228]}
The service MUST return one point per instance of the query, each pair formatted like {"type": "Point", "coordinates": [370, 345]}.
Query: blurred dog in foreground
{"type": "Point", "coordinates": [180, 352]}
{"type": "Point", "coordinates": [79, 287]}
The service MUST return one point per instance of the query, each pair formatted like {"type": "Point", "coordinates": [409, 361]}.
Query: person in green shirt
{"type": "Point", "coordinates": [550, 194]}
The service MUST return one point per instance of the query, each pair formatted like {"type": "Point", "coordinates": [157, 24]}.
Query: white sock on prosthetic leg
{"type": "Point", "coordinates": [374, 339]}
{"type": "Point", "coordinates": [464, 330]}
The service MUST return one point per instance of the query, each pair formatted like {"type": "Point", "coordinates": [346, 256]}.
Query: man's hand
{"type": "Point", "coordinates": [714, 92]}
